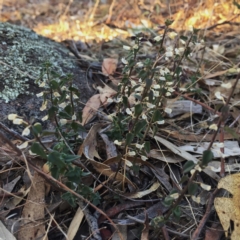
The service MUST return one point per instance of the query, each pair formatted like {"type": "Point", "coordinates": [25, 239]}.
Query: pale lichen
{"type": "Point", "coordinates": [22, 54]}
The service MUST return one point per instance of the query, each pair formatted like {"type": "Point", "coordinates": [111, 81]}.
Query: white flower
{"type": "Point", "coordinates": [168, 94]}
{"type": "Point", "coordinates": [160, 122]}
{"type": "Point", "coordinates": [63, 88]}
{"type": "Point", "coordinates": [126, 47]}
{"type": "Point", "coordinates": [56, 94]}
{"type": "Point", "coordinates": [44, 106]}
{"type": "Point", "coordinates": [117, 143]}
{"type": "Point", "coordinates": [182, 41]}
{"type": "Point", "coordinates": [226, 85]}
{"type": "Point", "coordinates": [168, 110]}
{"type": "Point", "coordinates": [205, 186]}
{"type": "Point", "coordinates": [40, 94]}
{"type": "Point", "coordinates": [169, 83]}
{"type": "Point", "coordinates": [42, 84]}
{"type": "Point", "coordinates": [162, 78]}
{"type": "Point", "coordinates": [196, 199]}
{"type": "Point", "coordinates": [139, 146]}
{"type": "Point", "coordinates": [31, 153]}
{"type": "Point", "coordinates": [219, 96]}
{"type": "Point", "coordinates": [213, 127]}
{"type": "Point", "coordinates": [18, 121]}
{"type": "Point", "coordinates": [63, 121]}
{"type": "Point", "coordinates": [172, 35]}
{"type": "Point", "coordinates": [144, 116]}
{"type": "Point", "coordinates": [12, 116]}
{"type": "Point", "coordinates": [158, 38]}
{"type": "Point", "coordinates": [62, 105]}
{"type": "Point", "coordinates": [183, 89]}
{"type": "Point", "coordinates": [74, 117]}
{"type": "Point", "coordinates": [171, 90]}
{"type": "Point", "coordinates": [174, 195]}
{"type": "Point", "coordinates": [45, 118]}
{"type": "Point", "coordinates": [124, 61]}
{"type": "Point", "coordinates": [128, 111]}
{"type": "Point", "coordinates": [144, 158]}
{"type": "Point", "coordinates": [150, 105]}
{"type": "Point", "coordinates": [190, 28]}
{"type": "Point", "coordinates": [23, 145]}
{"type": "Point", "coordinates": [26, 131]}
{"type": "Point", "coordinates": [164, 70]}
{"type": "Point", "coordinates": [75, 96]}
{"type": "Point", "coordinates": [131, 153]}
{"type": "Point", "coordinates": [156, 86]}
{"type": "Point", "coordinates": [155, 93]}
{"type": "Point", "coordinates": [135, 46]}
{"type": "Point", "coordinates": [139, 64]}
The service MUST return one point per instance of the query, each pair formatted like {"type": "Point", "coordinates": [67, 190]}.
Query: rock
{"type": "Point", "coordinates": [22, 55]}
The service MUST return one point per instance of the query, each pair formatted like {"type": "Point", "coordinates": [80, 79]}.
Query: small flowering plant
{"type": "Point", "coordinates": [145, 87]}
{"type": "Point", "coordinates": [60, 105]}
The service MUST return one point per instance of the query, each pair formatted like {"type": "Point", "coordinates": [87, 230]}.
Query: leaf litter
{"type": "Point", "coordinates": [147, 181]}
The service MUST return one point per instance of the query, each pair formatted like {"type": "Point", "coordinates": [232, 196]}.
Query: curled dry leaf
{"type": "Point", "coordinates": [228, 209]}
{"type": "Point", "coordinates": [90, 109]}
{"type": "Point", "coordinates": [109, 66]}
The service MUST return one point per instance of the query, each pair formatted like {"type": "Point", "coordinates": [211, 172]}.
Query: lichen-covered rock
{"type": "Point", "coordinates": [22, 55]}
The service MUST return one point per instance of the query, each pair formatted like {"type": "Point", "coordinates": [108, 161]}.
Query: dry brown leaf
{"type": "Point", "coordinates": [141, 194]}
{"type": "Point", "coordinates": [75, 223]}
{"type": "Point", "coordinates": [88, 148]}
{"type": "Point", "coordinates": [33, 212]}
{"type": "Point", "coordinates": [90, 109]}
{"type": "Point", "coordinates": [109, 66]}
{"type": "Point", "coordinates": [228, 209]}
{"type": "Point", "coordinates": [191, 137]}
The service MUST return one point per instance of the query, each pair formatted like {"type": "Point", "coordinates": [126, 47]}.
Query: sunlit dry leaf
{"type": "Point", "coordinates": [228, 209]}
{"type": "Point", "coordinates": [109, 66]}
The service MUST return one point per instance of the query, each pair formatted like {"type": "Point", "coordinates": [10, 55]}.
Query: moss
{"type": "Point", "coordinates": [22, 54]}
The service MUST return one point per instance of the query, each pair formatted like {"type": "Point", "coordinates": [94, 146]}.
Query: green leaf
{"type": "Point", "coordinates": [52, 111]}
{"type": "Point", "coordinates": [125, 101]}
{"type": "Point", "coordinates": [147, 146]}
{"type": "Point", "coordinates": [192, 188]}
{"type": "Point", "coordinates": [138, 109]}
{"type": "Point", "coordinates": [188, 166]}
{"type": "Point", "coordinates": [184, 179]}
{"type": "Point", "coordinates": [55, 158]}
{"type": "Point", "coordinates": [68, 109]}
{"type": "Point", "coordinates": [37, 128]}
{"type": "Point", "coordinates": [139, 126]}
{"type": "Point", "coordinates": [38, 149]}
{"type": "Point", "coordinates": [69, 157]}
{"type": "Point", "coordinates": [69, 198]}
{"type": "Point", "coordinates": [168, 22]}
{"type": "Point", "coordinates": [148, 83]}
{"type": "Point", "coordinates": [232, 132]}
{"type": "Point", "coordinates": [129, 139]}
{"type": "Point", "coordinates": [157, 115]}
{"type": "Point", "coordinates": [207, 157]}
{"type": "Point", "coordinates": [177, 212]}
{"type": "Point", "coordinates": [168, 201]}
{"type": "Point", "coordinates": [54, 85]}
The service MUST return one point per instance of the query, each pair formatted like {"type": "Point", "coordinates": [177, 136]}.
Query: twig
{"type": "Point", "coordinates": [205, 216]}
{"type": "Point", "coordinates": [13, 133]}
